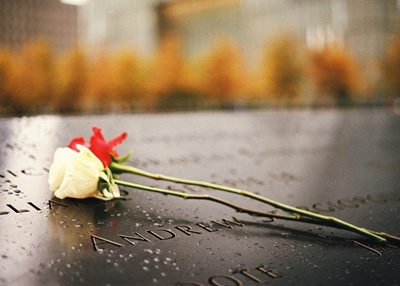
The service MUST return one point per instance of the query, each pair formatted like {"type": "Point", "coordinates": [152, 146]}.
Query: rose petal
{"type": "Point", "coordinates": [101, 150]}
{"type": "Point", "coordinates": [99, 146]}
{"type": "Point", "coordinates": [81, 175]}
{"type": "Point", "coordinates": [76, 141]}
{"type": "Point", "coordinates": [58, 168]}
{"type": "Point", "coordinates": [97, 135]}
{"type": "Point", "coordinates": [117, 140]}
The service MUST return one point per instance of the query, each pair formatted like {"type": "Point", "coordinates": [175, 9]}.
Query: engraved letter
{"type": "Point", "coordinates": [378, 199]}
{"type": "Point", "coordinates": [268, 272]}
{"type": "Point", "coordinates": [206, 227]}
{"type": "Point", "coordinates": [95, 243]}
{"type": "Point", "coordinates": [137, 237]}
{"type": "Point", "coordinates": [335, 205]}
{"type": "Point", "coordinates": [226, 222]}
{"type": "Point", "coordinates": [319, 208]}
{"type": "Point", "coordinates": [159, 236]}
{"type": "Point", "coordinates": [188, 230]}
{"type": "Point", "coordinates": [51, 202]}
{"type": "Point", "coordinates": [248, 275]}
{"type": "Point", "coordinates": [187, 284]}
{"type": "Point", "coordinates": [360, 200]}
{"type": "Point", "coordinates": [212, 281]}
{"type": "Point", "coordinates": [34, 206]}
{"type": "Point", "coordinates": [16, 210]}
{"type": "Point", "coordinates": [347, 203]}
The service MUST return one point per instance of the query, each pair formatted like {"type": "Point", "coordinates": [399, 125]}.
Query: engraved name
{"type": "Point", "coordinates": [163, 233]}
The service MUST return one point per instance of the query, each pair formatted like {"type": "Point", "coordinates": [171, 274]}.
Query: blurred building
{"type": "Point", "coordinates": [364, 26]}
{"type": "Point", "coordinates": [24, 20]}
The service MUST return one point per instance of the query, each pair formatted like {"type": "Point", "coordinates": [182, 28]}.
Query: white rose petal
{"type": "Point", "coordinates": [57, 170]}
{"type": "Point", "coordinates": [75, 174]}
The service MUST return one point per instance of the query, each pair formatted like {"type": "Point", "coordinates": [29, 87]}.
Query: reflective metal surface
{"type": "Point", "coordinates": [342, 163]}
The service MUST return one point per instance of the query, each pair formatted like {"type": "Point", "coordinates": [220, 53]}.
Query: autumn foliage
{"type": "Point", "coordinates": [35, 79]}
{"type": "Point", "coordinates": [282, 69]}
{"type": "Point", "coordinates": [334, 72]}
{"type": "Point", "coordinates": [71, 80]}
{"type": "Point", "coordinates": [224, 75]}
{"type": "Point", "coordinates": [27, 77]}
{"type": "Point", "coordinates": [391, 65]}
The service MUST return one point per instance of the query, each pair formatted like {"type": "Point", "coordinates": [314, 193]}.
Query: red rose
{"type": "Point", "coordinates": [99, 146]}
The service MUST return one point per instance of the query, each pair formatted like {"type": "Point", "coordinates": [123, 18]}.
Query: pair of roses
{"type": "Point", "coordinates": [84, 170]}
{"type": "Point", "coordinates": [77, 169]}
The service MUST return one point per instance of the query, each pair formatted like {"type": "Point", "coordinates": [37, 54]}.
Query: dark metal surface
{"type": "Point", "coordinates": [341, 163]}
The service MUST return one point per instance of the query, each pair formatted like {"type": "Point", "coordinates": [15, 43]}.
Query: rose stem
{"type": "Point", "coordinates": [184, 195]}
{"type": "Point", "coordinates": [331, 220]}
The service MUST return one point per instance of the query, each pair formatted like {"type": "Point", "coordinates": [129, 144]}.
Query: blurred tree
{"type": "Point", "coordinates": [169, 65]}
{"type": "Point", "coordinates": [100, 82]}
{"type": "Point", "coordinates": [334, 71]}
{"type": "Point", "coordinates": [282, 68]}
{"type": "Point", "coordinates": [224, 73]}
{"type": "Point", "coordinates": [128, 86]}
{"type": "Point", "coordinates": [32, 77]}
{"type": "Point", "coordinates": [71, 80]}
{"type": "Point", "coordinates": [6, 65]}
{"type": "Point", "coordinates": [171, 76]}
{"type": "Point", "coordinates": [391, 66]}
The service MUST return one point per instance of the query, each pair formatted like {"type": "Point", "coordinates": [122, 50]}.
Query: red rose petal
{"type": "Point", "coordinates": [99, 146]}
{"type": "Point", "coordinates": [75, 141]}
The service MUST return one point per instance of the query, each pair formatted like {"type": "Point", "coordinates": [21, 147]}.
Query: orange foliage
{"type": "Point", "coordinates": [282, 67]}
{"type": "Point", "coordinates": [334, 71]}
{"type": "Point", "coordinates": [225, 73]}
{"type": "Point", "coordinates": [72, 72]}
{"type": "Point", "coordinates": [171, 80]}
{"type": "Point", "coordinates": [128, 86]}
{"type": "Point", "coordinates": [31, 77]}
{"type": "Point", "coordinates": [392, 65]}
{"type": "Point", "coordinates": [169, 66]}
{"type": "Point", "coordinates": [100, 80]}
{"type": "Point", "coordinates": [6, 64]}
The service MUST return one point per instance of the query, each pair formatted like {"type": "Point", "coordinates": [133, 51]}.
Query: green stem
{"type": "Point", "coordinates": [210, 198]}
{"type": "Point", "coordinates": [118, 168]}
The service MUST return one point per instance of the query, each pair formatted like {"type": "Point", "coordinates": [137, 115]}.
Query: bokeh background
{"type": "Point", "coordinates": [102, 56]}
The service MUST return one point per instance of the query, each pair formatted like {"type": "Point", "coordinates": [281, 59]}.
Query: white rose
{"type": "Point", "coordinates": [76, 174]}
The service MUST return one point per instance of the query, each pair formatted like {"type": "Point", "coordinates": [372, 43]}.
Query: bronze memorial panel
{"type": "Point", "coordinates": [341, 163]}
